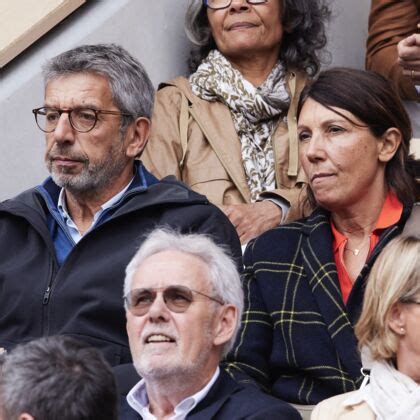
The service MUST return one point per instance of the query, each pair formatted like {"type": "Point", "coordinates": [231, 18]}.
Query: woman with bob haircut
{"type": "Point", "coordinates": [229, 130]}
{"type": "Point", "coordinates": [389, 331]}
{"type": "Point", "coordinates": [304, 282]}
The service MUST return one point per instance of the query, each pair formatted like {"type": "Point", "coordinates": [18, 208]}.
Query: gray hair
{"type": "Point", "coordinates": [196, 30]}
{"type": "Point", "coordinates": [132, 91]}
{"type": "Point", "coordinates": [57, 378]}
{"type": "Point", "coordinates": [223, 275]}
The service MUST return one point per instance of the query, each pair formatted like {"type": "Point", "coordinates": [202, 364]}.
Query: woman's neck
{"type": "Point", "coordinates": [359, 220]}
{"type": "Point", "coordinates": [255, 68]}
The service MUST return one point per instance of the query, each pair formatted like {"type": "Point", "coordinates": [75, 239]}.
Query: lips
{"type": "Point", "coordinates": [158, 338]}
{"type": "Point", "coordinates": [241, 25]}
{"type": "Point", "coordinates": [65, 160]}
{"type": "Point", "coordinates": [319, 177]}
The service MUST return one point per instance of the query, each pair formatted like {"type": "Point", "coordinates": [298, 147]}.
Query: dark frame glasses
{"type": "Point", "coordinates": [223, 4]}
{"type": "Point", "coordinates": [177, 298]}
{"type": "Point", "coordinates": [410, 302]}
{"type": "Point", "coordinates": [82, 120]}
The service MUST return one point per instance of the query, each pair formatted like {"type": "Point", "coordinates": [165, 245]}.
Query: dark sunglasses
{"type": "Point", "coordinates": [177, 298]}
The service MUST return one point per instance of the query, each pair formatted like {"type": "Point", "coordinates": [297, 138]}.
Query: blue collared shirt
{"type": "Point", "coordinates": [71, 226]}
{"type": "Point", "coordinates": [63, 231]}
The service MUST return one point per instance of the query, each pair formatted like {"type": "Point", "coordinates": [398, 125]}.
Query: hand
{"type": "Point", "coordinates": [409, 56]}
{"type": "Point", "coordinates": [250, 220]}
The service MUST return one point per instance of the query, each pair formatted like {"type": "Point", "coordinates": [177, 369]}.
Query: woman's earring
{"type": "Point", "coordinates": [402, 330]}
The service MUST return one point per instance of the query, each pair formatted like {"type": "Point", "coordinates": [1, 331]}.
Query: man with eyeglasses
{"type": "Point", "coordinates": [183, 300]}
{"type": "Point", "coordinates": [64, 244]}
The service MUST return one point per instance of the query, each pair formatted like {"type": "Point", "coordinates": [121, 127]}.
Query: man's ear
{"type": "Point", "coordinates": [396, 319]}
{"type": "Point", "coordinates": [225, 325]}
{"type": "Point", "coordinates": [25, 416]}
{"type": "Point", "coordinates": [136, 136]}
{"type": "Point", "coordinates": [388, 144]}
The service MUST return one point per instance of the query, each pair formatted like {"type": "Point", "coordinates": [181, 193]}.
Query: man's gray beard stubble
{"type": "Point", "coordinates": [94, 177]}
{"type": "Point", "coordinates": [181, 374]}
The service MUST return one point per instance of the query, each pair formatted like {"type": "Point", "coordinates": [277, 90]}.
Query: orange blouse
{"type": "Point", "coordinates": [390, 214]}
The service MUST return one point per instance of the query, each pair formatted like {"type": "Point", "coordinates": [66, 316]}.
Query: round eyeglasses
{"type": "Point", "coordinates": [177, 298]}
{"type": "Point", "coordinates": [222, 4]}
{"type": "Point", "coordinates": [81, 119]}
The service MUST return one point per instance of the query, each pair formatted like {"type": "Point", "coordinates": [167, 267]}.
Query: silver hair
{"type": "Point", "coordinates": [132, 91]}
{"type": "Point", "coordinates": [57, 377]}
{"type": "Point", "coordinates": [197, 32]}
{"type": "Point", "coordinates": [223, 275]}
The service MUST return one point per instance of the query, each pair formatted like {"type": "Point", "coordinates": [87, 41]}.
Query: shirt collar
{"type": "Point", "coordinates": [138, 400]}
{"type": "Point", "coordinates": [62, 206]}
{"type": "Point", "coordinates": [391, 211]}
{"type": "Point", "coordinates": [390, 214]}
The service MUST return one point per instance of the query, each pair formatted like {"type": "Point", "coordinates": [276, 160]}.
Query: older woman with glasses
{"type": "Point", "coordinates": [304, 282]}
{"type": "Point", "coordinates": [389, 332]}
{"type": "Point", "coordinates": [229, 130]}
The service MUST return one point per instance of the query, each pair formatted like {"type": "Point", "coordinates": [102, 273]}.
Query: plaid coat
{"type": "Point", "coordinates": [296, 338]}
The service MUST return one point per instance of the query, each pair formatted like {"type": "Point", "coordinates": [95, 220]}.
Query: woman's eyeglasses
{"type": "Point", "coordinates": [222, 4]}
{"type": "Point", "coordinates": [410, 301]}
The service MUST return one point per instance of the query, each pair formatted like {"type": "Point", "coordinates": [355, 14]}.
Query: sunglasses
{"type": "Point", "coordinates": [176, 298]}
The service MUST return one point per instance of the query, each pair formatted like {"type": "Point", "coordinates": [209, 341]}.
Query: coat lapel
{"type": "Point", "coordinates": [219, 393]}
{"type": "Point", "coordinates": [216, 123]}
{"type": "Point", "coordinates": [321, 271]}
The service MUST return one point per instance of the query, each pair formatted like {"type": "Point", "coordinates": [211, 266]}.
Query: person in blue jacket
{"type": "Point", "coordinates": [64, 244]}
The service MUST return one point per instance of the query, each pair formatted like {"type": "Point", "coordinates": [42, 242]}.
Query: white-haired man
{"type": "Point", "coordinates": [184, 300]}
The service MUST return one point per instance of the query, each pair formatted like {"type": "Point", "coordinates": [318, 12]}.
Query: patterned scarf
{"type": "Point", "coordinates": [255, 113]}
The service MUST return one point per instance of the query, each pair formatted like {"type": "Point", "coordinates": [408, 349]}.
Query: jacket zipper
{"type": "Point", "coordinates": [45, 301]}
{"type": "Point", "coordinates": [47, 294]}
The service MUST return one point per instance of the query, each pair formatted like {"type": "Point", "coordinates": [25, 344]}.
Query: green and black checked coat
{"type": "Point", "coordinates": [297, 338]}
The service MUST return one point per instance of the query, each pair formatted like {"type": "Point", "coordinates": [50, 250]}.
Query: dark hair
{"type": "Point", "coordinates": [57, 378]}
{"type": "Point", "coordinates": [372, 99]}
{"type": "Point", "coordinates": [304, 37]}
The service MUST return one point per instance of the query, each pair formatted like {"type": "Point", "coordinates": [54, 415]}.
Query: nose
{"type": "Point", "coordinates": [63, 132]}
{"type": "Point", "coordinates": [314, 149]}
{"type": "Point", "coordinates": [238, 5]}
{"type": "Point", "coordinates": [158, 311]}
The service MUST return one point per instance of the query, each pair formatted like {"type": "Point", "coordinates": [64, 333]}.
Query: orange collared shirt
{"type": "Point", "coordinates": [390, 214]}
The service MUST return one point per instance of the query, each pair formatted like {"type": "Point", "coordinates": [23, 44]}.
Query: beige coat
{"type": "Point", "coordinates": [196, 141]}
{"type": "Point", "coordinates": [390, 21]}
{"type": "Point", "coordinates": [333, 409]}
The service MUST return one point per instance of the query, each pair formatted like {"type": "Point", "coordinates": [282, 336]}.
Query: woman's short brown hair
{"type": "Point", "coordinates": [395, 277]}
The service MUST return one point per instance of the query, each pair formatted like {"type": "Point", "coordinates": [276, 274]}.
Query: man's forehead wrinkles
{"type": "Point", "coordinates": [78, 90]}
{"type": "Point", "coordinates": [84, 97]}
{"type": "Point", "coordinates": [75, 104]}
{"type": "Point", "coordinates": [169, 267]}
{"type": "Point", "coordinates": [74, 100]}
